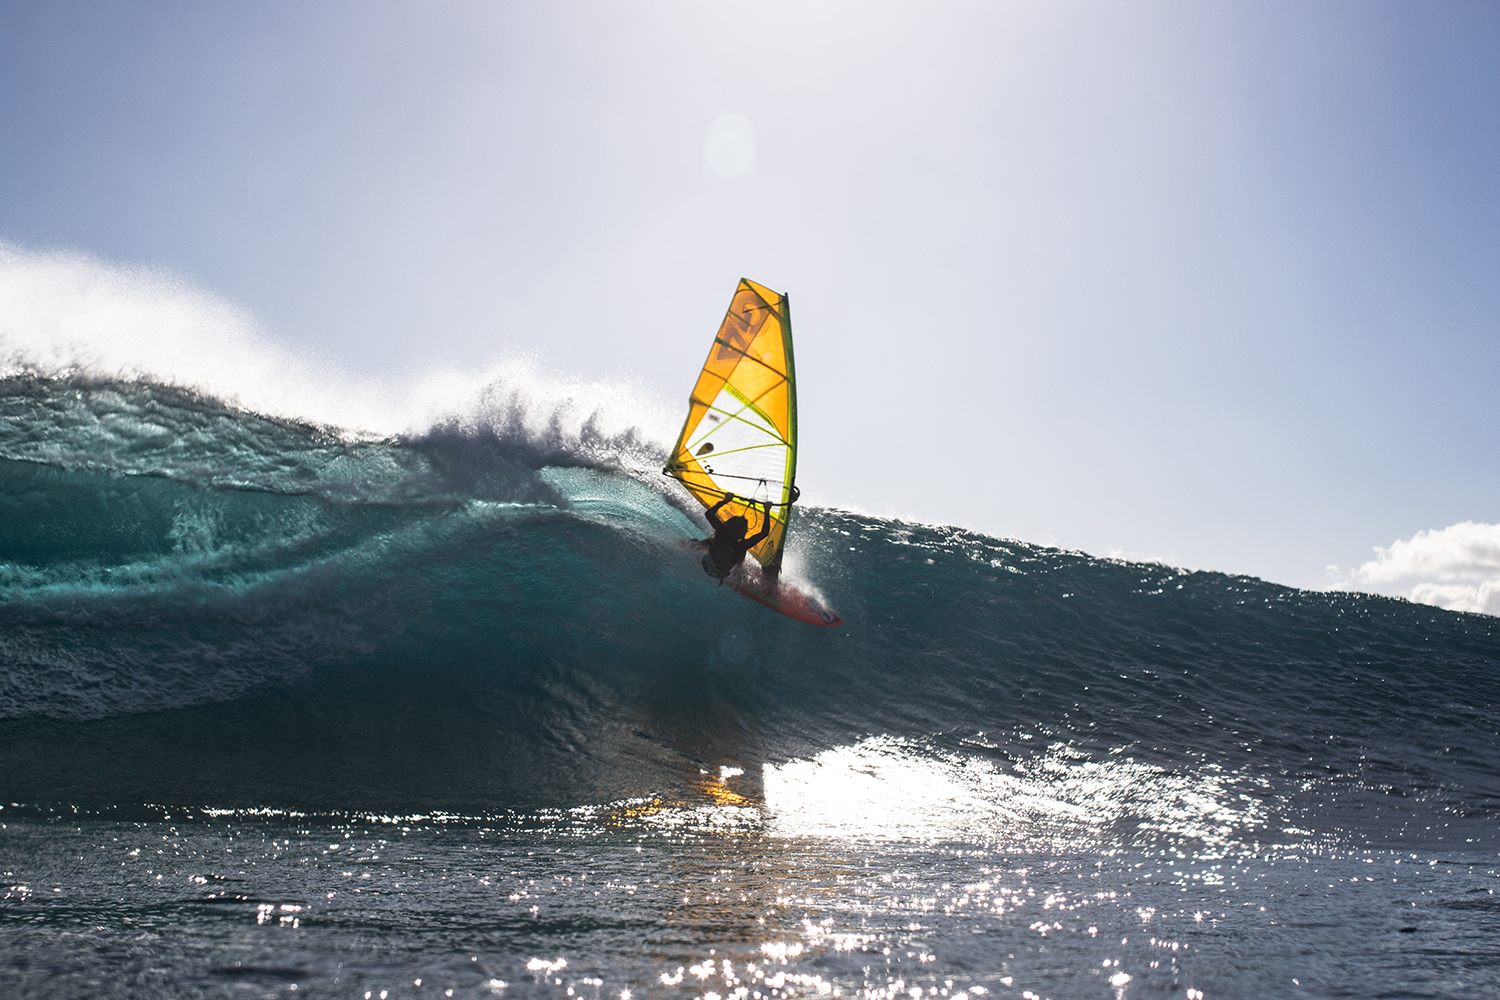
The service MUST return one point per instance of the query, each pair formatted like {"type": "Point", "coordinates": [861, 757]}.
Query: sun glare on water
{"type": "Point", "coordinates": [889, 790]}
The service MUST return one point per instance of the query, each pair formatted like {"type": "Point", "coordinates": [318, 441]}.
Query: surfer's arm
{"type": "Point", "coordinates": [713, 512]}
{"type": "Point", "coordinates": [764, 532]}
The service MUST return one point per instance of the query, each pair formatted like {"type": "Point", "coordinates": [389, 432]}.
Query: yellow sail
{"type": "Point", "coordinates": [741, 431]}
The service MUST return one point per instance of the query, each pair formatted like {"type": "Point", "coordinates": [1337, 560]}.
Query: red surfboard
{"type": "Point", "coordinates": [781, 597]}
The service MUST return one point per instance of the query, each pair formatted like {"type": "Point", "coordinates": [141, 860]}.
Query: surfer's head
{"type": "Point", "coordinates": [737, 525]}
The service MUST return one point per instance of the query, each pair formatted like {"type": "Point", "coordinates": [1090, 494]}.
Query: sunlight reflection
{"type": "Point", "coordinates": [889, 789]}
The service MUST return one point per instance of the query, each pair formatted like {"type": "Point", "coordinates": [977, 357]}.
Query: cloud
{"type": "Point", "coordinates": [1483, 599]}
{"type": "Point", "coordinates": [1457, 567]}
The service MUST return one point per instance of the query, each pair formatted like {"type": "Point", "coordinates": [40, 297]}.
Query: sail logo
{"type": "Point", "coordinates": [747, 314]}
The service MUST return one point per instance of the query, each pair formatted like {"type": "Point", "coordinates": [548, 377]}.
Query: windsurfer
{"type": "Point", "coordinates": [727, 548]}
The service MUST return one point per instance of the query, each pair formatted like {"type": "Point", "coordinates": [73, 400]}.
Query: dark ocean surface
{"type": "Point", "coordinates": [285, 710]}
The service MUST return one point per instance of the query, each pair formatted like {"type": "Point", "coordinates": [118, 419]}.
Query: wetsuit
{"type": "Point", "coordinates": [727, 548]}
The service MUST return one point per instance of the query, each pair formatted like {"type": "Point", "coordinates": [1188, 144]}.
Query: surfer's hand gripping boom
{"type": "Point", "coordinates": [794, 496]}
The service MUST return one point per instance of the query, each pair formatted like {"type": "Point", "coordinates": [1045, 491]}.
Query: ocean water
{"type": "Point", "coordinates": [286, 710]}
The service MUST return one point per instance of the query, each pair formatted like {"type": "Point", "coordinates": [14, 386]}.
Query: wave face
{"type": "Point", "coordinates": [201, 605]}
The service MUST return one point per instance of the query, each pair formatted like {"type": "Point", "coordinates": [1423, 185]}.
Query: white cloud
{"type": "Point", "coordinates": [1457, 567]}
{"type": "Point", "coordinates": [1482, 599]}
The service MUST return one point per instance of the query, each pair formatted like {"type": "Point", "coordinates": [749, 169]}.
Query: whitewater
{"type": "Point", "coordinates": [306, 691]}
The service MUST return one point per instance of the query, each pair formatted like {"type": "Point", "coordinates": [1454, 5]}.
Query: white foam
{"type": "Point", "coordinates": [66, 312]}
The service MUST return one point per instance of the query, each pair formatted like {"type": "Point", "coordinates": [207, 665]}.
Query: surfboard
{"type": "Point", "coordinates": [785, 598]}
{"type": "Point", "coordinates": [740, 438]}
{"type": "Point", "coordinates": [781, 596]}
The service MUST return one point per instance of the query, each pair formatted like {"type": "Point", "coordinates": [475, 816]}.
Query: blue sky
{"type": "Point", "coordinates": [1212, 283]}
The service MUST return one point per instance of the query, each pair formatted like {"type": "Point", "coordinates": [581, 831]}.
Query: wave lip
{"type": "Point", "coordinates": [161, 548]}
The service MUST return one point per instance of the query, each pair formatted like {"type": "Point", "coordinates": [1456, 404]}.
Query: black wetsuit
{"type": "Point", "coordinates": [727, 548]}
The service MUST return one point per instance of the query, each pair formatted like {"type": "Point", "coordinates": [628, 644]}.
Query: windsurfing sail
{"type": "Point", "coordinates": [741, 432]}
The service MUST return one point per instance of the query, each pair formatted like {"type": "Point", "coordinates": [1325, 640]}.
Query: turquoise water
{"type": "Point", "coordinates": [285, 707]}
